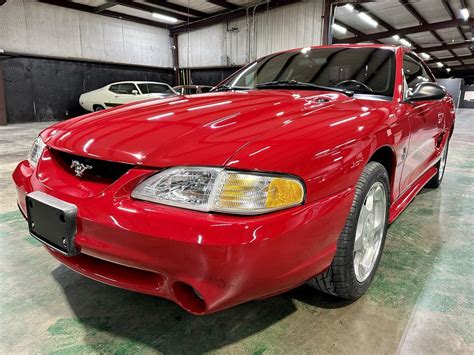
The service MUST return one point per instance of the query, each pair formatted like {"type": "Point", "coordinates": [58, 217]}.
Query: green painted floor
{"type": "Point", "coordinates": [422, 299]}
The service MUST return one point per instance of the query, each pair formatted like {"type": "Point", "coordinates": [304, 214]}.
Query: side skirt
{"type": "Point", "coordinates": [404, 200]}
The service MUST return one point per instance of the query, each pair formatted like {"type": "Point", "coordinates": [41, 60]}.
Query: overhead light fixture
{"type": "Point", "coordinates": [439, 64]}
{"type": "Point", "coordinates": [404, 42]}
{"type": "Point", "coordinates": [396, 37]}
{"type": "Point", "coordinates": [369, 20]}
{"type": "Point", "coordinates": [164, 18]}
{"type": "Point", "coordinates": [465, 14]}
{"type": "Point", "coordinates": [349, 7]}
{"type": "Point", "coordinates": [339, 28]}
{"type": "Point", "coordinates": [448, 69]}
{"type": "Point", "coordinates": [425, 56]}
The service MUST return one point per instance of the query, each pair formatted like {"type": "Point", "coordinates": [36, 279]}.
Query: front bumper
{"type": "Point", "coordinates": [203, 261]}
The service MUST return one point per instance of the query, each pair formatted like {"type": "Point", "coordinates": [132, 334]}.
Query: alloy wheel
{"type": "Point", "coordinates": [370, 231]}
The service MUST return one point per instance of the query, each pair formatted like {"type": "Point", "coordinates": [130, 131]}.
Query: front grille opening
{"type": "Point", "coordinates": [100, 169]}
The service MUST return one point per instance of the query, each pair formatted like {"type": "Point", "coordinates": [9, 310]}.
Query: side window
{"type": "Point", "coordinates": [414, 72]}
{"type": "Point", "coordinates": [115, 88]}
{"type": "Point", "coordinates": [127, 88]}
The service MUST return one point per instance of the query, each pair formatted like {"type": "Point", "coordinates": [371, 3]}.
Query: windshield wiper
{"type": "Point", "coordinates": [225, 87]}
{"type": "Point", "coordinates": [300, 84]}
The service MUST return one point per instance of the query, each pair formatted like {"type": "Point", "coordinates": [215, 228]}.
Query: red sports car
{"type": "Point", "coordinates": [289, 172]}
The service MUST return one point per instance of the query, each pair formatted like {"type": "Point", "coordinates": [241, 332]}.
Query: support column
{"type": "Point", "coordinates": [3, 106]}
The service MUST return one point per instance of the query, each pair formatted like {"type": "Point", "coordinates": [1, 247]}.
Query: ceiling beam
{"type": "Point", "coordinates": [113, 14]}
{"type": "Point", "coordinates": [382, 23]}
{"type": "Point", "coordinates": [152, 9]}
{"type": "Point", "coordinates": [458, 57]}
{"type": "Point", "coordinates": [349, 28]}
{"type": "Point", "coordinates": [456, 67]}
{"type": "Point", "coordinates": [103, 7]}
{"type": "Point", "coordinates": [423, 22]}
{"type": "Point", "coordinates": [225, 4]}
{"type": "Point", "coordinates": [228, 16]}
{"type": "Point", "coordinates": [451, 13]}
{"type": "Point", "coordinates": [406, 30]}
{"type": "Point", "coordinates": [183, 9]}
{"type": "Point", "coordinates": [361, 8]}
{"type": "Point", "coordinates": [446, 47]}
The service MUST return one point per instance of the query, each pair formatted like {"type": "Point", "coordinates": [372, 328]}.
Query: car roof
{"type": "Point", "coordinates": [191, 86]}
{"type": "Point", "coordinates": [346, 45]}
{"type": "Point", "coordinates": [138, 82]}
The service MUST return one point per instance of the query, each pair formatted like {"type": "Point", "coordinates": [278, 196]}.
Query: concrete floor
{"type": "Point", "coordinates": [421, 301]}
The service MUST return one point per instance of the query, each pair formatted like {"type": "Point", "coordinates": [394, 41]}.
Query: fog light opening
{"type": "Point", "coordinates": [189, 298]}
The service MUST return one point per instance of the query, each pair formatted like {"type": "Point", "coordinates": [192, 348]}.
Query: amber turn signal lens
{"type": "Point", "coordinates": [246, 193]}
{"type": "Point", "coordinates": [283, 192]}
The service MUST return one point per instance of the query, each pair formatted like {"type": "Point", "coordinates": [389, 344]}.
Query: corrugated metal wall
{"type": "Point", "coordinates": [292, 26]}
{"type": "Point", "coordinates": [30, 27]}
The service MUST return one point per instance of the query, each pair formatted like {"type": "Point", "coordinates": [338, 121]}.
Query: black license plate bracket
{"type": "Point", "coordinates": [52, 221]}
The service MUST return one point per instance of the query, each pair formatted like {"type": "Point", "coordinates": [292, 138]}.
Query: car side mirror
{"type": "Point", "coordinates": [135, 92]}
{"type": "Point", "coordinates": [425, 91]}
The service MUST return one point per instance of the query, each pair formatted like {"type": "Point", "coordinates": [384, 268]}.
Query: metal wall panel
{"type": "Point", "coordinates": [35, 88]}
{"type": "Point", "coordinates": [291, 26]}
{"type": "Point", "coordinates": [29, 27]}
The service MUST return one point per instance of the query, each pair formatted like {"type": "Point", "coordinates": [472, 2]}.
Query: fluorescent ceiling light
{"type": "Point", "coordinates": [369, 20]}
{"type": "Point", "coordinates": [396, 37]}
{"type": "Point", "coordinates": [404, 42]}
{"type": "Point", "coordinates": [339, 28]}
{"type": "Point", "coordinates": [349, 7]}
{"type": "Point", "coordinates": [164, 17]}
{"type": "Point", "coordinates": [448, 69]}
{"type": "Point", "coordinates": [425, 56]}
{"type": "Point", "coordinates": [465, 14]}
{"type": "Point", "coordinates": [439, 64]}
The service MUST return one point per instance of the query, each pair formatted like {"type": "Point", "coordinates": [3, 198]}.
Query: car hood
{"type": "Point", "coordinates": [205, 129]}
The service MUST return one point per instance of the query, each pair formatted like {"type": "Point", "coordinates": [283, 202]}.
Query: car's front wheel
{"type": "Point", "coordinates": [361, 242]}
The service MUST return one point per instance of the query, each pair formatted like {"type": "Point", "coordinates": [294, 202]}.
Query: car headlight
{"type": "Point", "coordinates": [220, 190]}
{"type": "Point", "coordinates": [35, 151]}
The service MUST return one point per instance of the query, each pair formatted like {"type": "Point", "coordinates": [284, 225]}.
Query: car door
{"type": "Point", "coordinates": [127, 92]}
{"type": "Point", "coordinates": [426, 119]}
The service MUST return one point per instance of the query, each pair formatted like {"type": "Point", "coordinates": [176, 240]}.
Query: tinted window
{"type": "Point", "coordinates": [115, 88]}
{"type": "Point", "coordinates": [205, 89]}
{"type": "Point", "coordinates": [154, 89]}
{"type": "Point", "coordinates": [127, 88]}
{"type": "Point", "coordinates": [414, 71]}
{"type": "Point", "coordinates": [123, 89]}
{"type": "Point", "coordinates": [364, 70]}
{"type": "Point", "coordinates": [190, 91]}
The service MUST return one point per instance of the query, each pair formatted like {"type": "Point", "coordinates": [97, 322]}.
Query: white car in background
{"type": "Point", "coordinates": [120, 93]}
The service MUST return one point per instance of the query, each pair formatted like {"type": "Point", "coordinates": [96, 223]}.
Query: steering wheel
{"type": "Point", "coordinates": [357, 82]}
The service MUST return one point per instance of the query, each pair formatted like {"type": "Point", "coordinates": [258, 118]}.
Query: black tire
{"type": "Point", "coordinates": [340, 279]}
{"type": "Point", "coordinates": [98, 108]}
{"type": "Point", "coordinates": [436, 180]}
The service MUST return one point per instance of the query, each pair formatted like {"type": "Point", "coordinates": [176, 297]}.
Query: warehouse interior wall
{"type": "Point", "coordinates": [211, 76]}
{"type": "Point", "coordinates": [467, 96]}
{"type": "Point", "coordinates": [241, 41]}
{"type": "Point", "coordinates": [52, 55]}
{"type": "Point", "coordinates": [29, 27]}
{"type": "Point", "coordinates": [45, 89]}
{"type": "Point", "coordinates": [46, 46]}
{"type": "Point", "coordinates": [453, 86]}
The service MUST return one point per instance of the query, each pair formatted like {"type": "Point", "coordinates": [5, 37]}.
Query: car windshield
{"type": "Point", "coordinates": [361, 70]}
{"type": "Point", "coordinates": [150, 88]}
